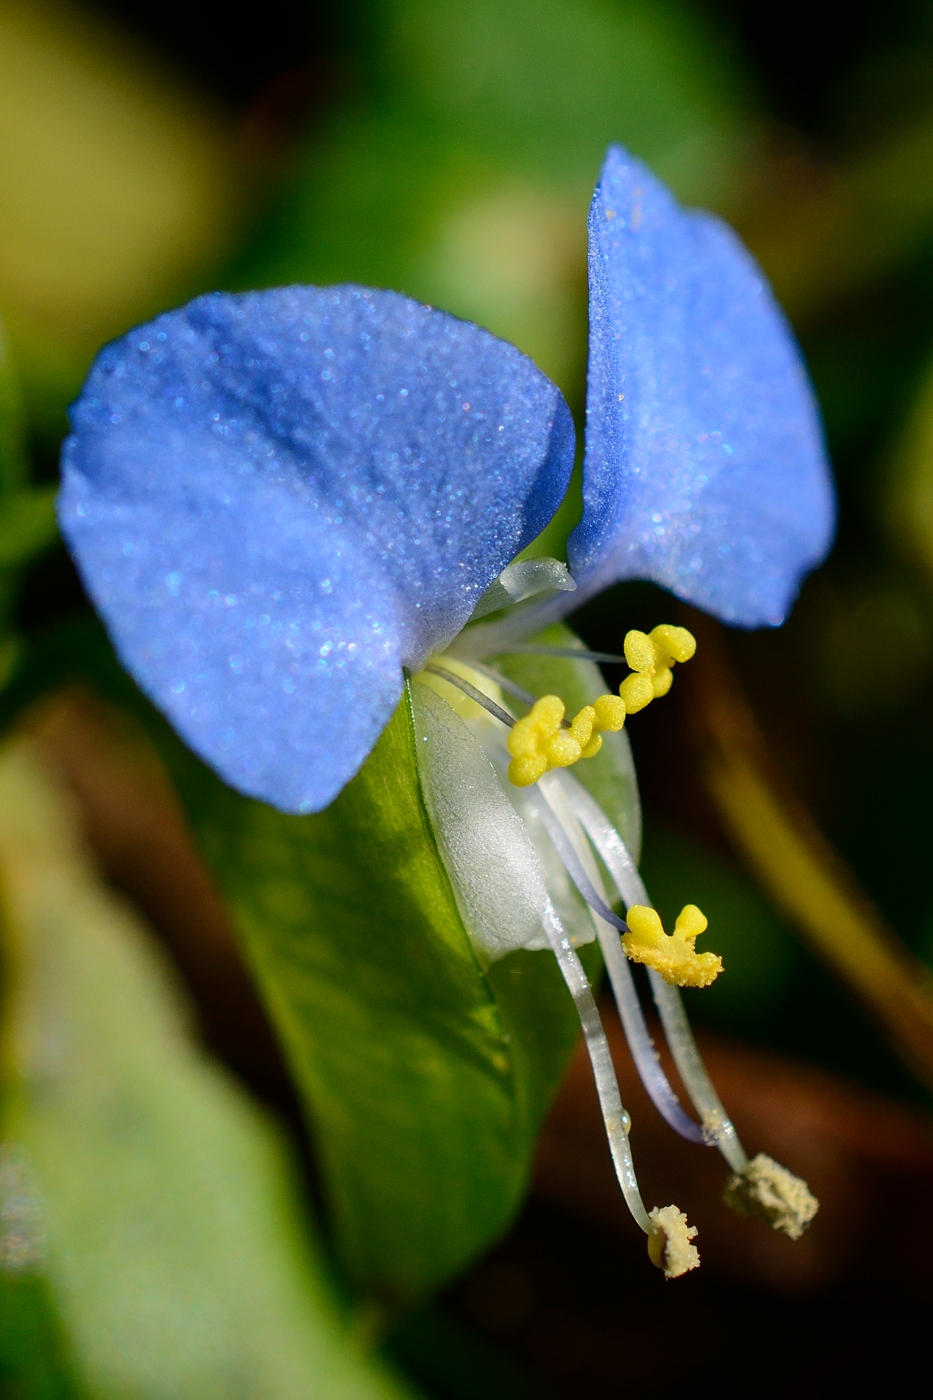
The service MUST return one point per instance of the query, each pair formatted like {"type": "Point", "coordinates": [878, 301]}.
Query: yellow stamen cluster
{"type": "Point", "coordinates": [651, 656]}
{"type": "Point", "coordinates": [540, 741]}
{"type": "Point", "coordinates": [673, 955]}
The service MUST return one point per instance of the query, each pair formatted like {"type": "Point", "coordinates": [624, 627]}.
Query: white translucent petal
{"type": "Point", "coordinates": [493, 867]}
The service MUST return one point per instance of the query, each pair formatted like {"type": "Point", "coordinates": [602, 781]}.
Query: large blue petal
{"type": "Point", "coordinates": [705, 468]}
{"type": "Point", "coordinates": [279, 499]}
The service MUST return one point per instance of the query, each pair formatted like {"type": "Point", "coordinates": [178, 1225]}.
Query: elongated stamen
{"type": "Point", "coordinates": [717, 1126]}
{"type": "Point", "coordinates": [471, 691]}
{"type": "Point", "coordinates": [639, 1040]}
{"type": "Point", "coordinates": [615, 1117]}
{"type": "Point", "coordinates": [683, 1047]}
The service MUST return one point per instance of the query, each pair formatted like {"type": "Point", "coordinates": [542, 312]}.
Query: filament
{"type": "Point", "coordinates": [573, 653]}
{"type": "Point", "coordinates": [615, 1118]}
{"type": "Point", "coordinates": [612, 851]}
{"type": "Point", "coordinates": [511, 687]}
{"type": "Point", "coordinates": [471, 691]}
{"type": "Point", "coordinates": [639, 1040]}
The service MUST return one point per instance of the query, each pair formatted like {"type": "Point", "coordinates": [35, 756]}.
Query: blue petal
{"type": "Point", "coordinates": [279, 499]}
{"type": "Point", "coordinates": [705, 467]}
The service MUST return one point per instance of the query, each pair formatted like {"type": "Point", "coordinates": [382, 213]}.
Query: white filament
{"type": "Point", "coordinates": [614, 1115]}
{"type": "Point", "coordinates": [683, 1047]}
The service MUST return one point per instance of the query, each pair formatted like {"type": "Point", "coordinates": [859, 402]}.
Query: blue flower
{"type": "Point", "coordinates": [279, 501]}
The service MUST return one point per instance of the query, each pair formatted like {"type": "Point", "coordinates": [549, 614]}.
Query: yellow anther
{"type": "Point", "coordinates": [651, 658]}
{"type": "Point", "coordinates": [562, 750]}
{"type": "Point", "coordinates": [530, 740]}
{"type": "Point", "coordinates": [528, 769]}
{"type": "Point", "coordinates": [636, 691]}
{"type": "Point", "coordinates": [673, 643]}
{"type": "Point", "coordinates": [673, 955]}
{"type": "Point", "coordinates": [540, 741]}
{"type": "Point", "coordinates": [584, 722]}
{"type": "Point", "coordinates": [640, 652]}
{"type": "Point", "coordinates": [610, 713]}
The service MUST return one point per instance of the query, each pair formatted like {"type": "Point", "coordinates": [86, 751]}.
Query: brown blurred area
{"type": "Point", "coordinates": [569, 1292]}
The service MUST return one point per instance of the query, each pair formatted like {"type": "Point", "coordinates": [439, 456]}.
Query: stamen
{"type": "Point", "coordinates": [669, 1236]}
{"type": "Point", "coordinates": [615, 1117]}
{"type": "Point", "coordinates": [471, 691]}
{"type": "Point", "coordinates": [614, 854]}
{"type": "Point", "coordinates": [564, 847]}
{"type": "Point", "coordinates": [620, 975]}
{"type": "Point", "coordinates": [672, 955]}
{"type": "Point", "coordinates": [669, 1250]}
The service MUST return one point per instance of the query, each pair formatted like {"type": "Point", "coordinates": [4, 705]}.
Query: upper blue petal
{"type": "Point", "coordinates": [279, 499]}
{"type": "Point", "coordinates": [705, 466]}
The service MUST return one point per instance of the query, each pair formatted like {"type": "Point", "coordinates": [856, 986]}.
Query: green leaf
{"type": "Point", "coordinates": [465, 180]}
{"type": "Point", "coordinates": [426, 1074]}
{"type": "Point", "coordinates": [160, 1212]}
{"type": "Point", "coordinates": [35, 1361]}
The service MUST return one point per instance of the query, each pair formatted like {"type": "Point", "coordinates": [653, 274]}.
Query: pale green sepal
{"type": "Point", "coordinates": [487, 852]}
{"type": "Point", "coordinates": [610, 776]}
{"type": "Point", "coordinates": [161, 1208]}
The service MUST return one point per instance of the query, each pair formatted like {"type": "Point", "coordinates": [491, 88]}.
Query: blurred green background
{"type": "Point", "coordinates": [448, 149]}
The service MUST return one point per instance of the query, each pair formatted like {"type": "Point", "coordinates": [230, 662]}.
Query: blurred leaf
{"type": "Point", "coordinates": [548, 84]}
{"type": "Point", "coordinates": [824, 233]}
{"type": "Point", "coordinates": [908, 500]}
{"type": "Point", "coordinates": [35, 1363]}
{"type": "Point", "coordinates": [12, 425]}
{"type": "Point", "coordinates": [27, 525]}
{"type": "Point", "coordinates": [115, 189]}
{"type": "Point", "coordinates": [467, 180]}
{"type": "Point", "coordinates": [426, 1074]}
{"type": "Point", "coordinates": [163, 1213]}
